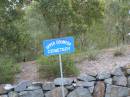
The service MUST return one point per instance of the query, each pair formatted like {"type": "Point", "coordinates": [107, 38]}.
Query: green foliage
{"type": "Point", "coordinates": [49, 66]}
{"type": "Point", "coordinates": [8, 69]}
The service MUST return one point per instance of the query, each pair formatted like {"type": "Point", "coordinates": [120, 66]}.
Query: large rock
{"type": "Point", "coordinates": [103, 75]}
{"type": "Point", "coordinates": [108, 81]}
{"type": "Point", "coordinates": [66, 81]}
{"type": "Point", "coordinates": [120, 80]}
{"type": "Point", "coordinates": [85, 77]}
{"type": "Point", "coordinates": [116, 91]}
{"type": "Point", "coordinates": [99, 90]}
{"type": "Point", "coordinates": [57, 92]}
{"type": "Point", "coordinates": [94, 74]}
{"type": "Point", "coordinates": [85, 84]}
{"type": "Point", "coordinates": [33, 87]}
{"type": "Point", "coordinates": [128, 79]}
{"type": "Point", "coordinates": [80, 92]}
{"type": "Point", "coordinates": [91, 89]}
{"type": "Point", "coordinates": [22, 86]}
{"type": "Point", "coordinates": [3, 95]}
{"type": "Point", "coordinates": [35, 93]}
{"type": "Point", "coordinates": [13, 94]}
{"type": "Point", "coordinates": [118, 72]}
{"type": "Point", "coordinates": [48, 86]}
{"type": "Point", "coordinates": [70, 88]}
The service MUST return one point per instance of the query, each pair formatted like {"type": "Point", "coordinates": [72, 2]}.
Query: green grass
{"type": "Point", "coordinates": [8, 69]}
{"type": "Point", "coordinates": [49, 66]}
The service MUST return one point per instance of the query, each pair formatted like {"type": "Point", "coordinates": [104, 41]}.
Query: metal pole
{"type": "Point", "coordinates": [61, 72]}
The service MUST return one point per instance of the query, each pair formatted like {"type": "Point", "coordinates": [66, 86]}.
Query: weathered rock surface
{"type": "Point", "coordinates": [57, 92]}
{"type": "Point", "coordinates": [85, 77]}
{"type": "Point", "coordinates": [94, 74]}
{"type": "Point", "coordinates": [35, 93]}
{"type": "Point", "coordinates": [48, 86]}
{"type": "Point", "coordinates": [66, 81]}
{"type": "Point", "coordinates": [120, 80]}
{"type": "Point", "coordinates": [108, 81]}
{"type": "Point", "coordinates": [116, 91]}
{"type": "Point", "coordinates": [70, 88]}
{"type": "Point", "coordinates": [103, 75]}
{"type": "Point", "coordinates": [3, 96]}
{"type": "Point", "coordinates": [33, 87]}
{"type": "Point", "coordinates": [128, 79]}
{"type": "Point", "coordinates": [80, 92]}
{"type": "Point", "coordinates": [118, 72]}
{"type": "Point", "coordinates": [22, 86]}
{"type": "Point", "coordinates": [99, 90]}
{"type": "Point", "coordinates": [85, 84]}
{"type": "Point", "coordinates": [8, 87]}
{"type": "Point", "coordinates": [13, 94]}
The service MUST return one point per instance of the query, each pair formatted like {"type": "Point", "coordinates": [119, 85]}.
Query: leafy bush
{"type": "Point", "coordinates": [49, 66]}
{"type": "Point", "coordinates": [8, 69]}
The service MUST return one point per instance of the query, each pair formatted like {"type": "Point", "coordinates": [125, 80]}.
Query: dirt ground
{"type": "Point", "coordinates": [29, 71]}
{"type": "Point", "coordinates": [105, 62]}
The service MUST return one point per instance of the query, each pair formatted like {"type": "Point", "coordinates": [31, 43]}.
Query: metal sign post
{"type": "Point", "coordinates": [61, 73]}
{"type": "Point", "coordinates": [57, 47]}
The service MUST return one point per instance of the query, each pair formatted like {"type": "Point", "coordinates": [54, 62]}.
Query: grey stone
{"type": "Point", "coordinates": [85, 84]}
{"type": "Point", "coordinates": [33, 87]}
{"type": "Point", "coordinates": [80, 92]}
{"type": "Point", "coordinates": [91, 89]}
{"type": "Point", "coordinates": [103, 75]}
{"type": "Point", "coordinates": [108, 81]}
{"type": "Point", "coordinates": [48, 86]}
{"type": "Point", "coordinates": [120, 80]}
{"type": "Point", "coordinates": [116, 91]}
{"type": "Point", "coordinates": [57, 92]}
{"type": "Point", "coordinates": [22, 86]}
{"type": "Point", "coordinates": [94, 74]}
{"type": "Point", "coordinates": [12, 94]}
{"type": "Point", "coordinates": [37, 84]}
{"type": "Point", "coordinates": [8, 87]}
{"type": "Point", "coordinates": [3, 95]}
{"type": "Point", "coordinates": [70, 88]}
{"type": "Point", "coordinates": [99, 90]}
{"type": "Point", "coordinates": [128, 79]}
{"type": "Point", "coordinates": [85, 77]}
{"type": "Point", "coordinates": [66, 81]}
{"type": "Point", "coordinates": [128, 71]}
{"type": "Point", "coordinates": [118, 72]}
{"type": "Point", "coordinates": [35, 93]}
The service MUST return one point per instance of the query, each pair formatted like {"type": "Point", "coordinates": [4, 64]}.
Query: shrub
{"type": "Point", "coordinates": [49, 66]}
{"type": "Point", "coordinates": [7, 70]}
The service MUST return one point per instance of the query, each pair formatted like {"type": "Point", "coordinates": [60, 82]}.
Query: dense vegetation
{"type": "Point", "coordinates": [95, 24]}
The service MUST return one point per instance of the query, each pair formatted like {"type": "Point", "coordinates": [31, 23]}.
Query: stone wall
{"type": "Point", "coordinates": [104, 84]}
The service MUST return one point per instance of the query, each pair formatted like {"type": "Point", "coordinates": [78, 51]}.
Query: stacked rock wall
{"type": "Point", "coordinates": [104, 84]}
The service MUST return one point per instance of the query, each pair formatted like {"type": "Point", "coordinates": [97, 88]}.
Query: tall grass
{"type": "Point", "coordinates": [8, 69]}
{"type": "Point", "coordinates": [49, 66]}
